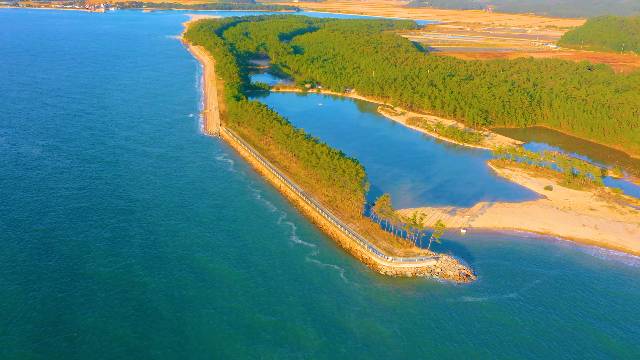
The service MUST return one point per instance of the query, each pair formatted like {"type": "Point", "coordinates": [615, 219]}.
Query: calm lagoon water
{"type": "Point", "coordinates": [125, 233]}
{"type": "Point", "coordinates": [417, 170]}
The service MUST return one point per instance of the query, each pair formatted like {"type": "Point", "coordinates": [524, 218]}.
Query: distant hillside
{"type": "Point", "coordinates": [561, 8]}
{"type": "Point", "coordinates": [606, 33]}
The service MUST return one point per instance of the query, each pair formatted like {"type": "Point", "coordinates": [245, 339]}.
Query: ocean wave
{"type": "Point", "coordinates": [473, 299]}
{"type": "Point", "coordinates": [592, 250]}
{"type": "Point", "coordinates": [341, 271]}
{"type": "Point", "coordinates": [293, 233]}
{"type": "Point", "coordinates": [612, 255]}
{"type": "Point", "coordinates": [224, 158]}
{"type": "Point", "coordinates": [199, 83]}
{"type": "Point", "coordinates": [600, 252]}
{"type": "Point", "coordinates": [511, 295]}
{"type": "Point", "coordinates": [295, 239]}
{"type": "Point", "coordinates": [257, 194]}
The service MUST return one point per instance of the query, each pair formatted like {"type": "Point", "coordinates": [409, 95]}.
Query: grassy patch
{"type": "Point", "coordinates": [461, 135]}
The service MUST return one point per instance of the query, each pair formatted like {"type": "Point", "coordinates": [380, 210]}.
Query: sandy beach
{"type": "Point", "coordinates": [211, 111]}
{"type": "Point", "coordinates": [582, 216]}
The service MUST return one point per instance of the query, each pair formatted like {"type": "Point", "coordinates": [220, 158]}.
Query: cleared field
{"type": "Point", "coordinates": [623, 63]}
{"type": "Point", "coordinates": [457, 35]}
{"type": "Point", "coordinates": [475, 42]}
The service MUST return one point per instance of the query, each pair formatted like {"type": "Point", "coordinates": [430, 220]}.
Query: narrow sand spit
{"type": "Point", "coordinates": [581, 216]}
{"type": "Point", "coordinates": [577, 215]}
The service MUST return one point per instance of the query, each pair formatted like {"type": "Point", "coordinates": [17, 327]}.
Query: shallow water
{"type": "Point", "coordinates": [625, 184]}
{"type": "Point", "coordinates": [125, 233]}
{"type": "Point", "coordinates": [269, 79]}
{"type": "Point", "coordinates": [542, 139]}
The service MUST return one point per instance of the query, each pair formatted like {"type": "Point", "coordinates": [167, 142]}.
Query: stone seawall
{"type": "Point", "coordinates": [440, 266]}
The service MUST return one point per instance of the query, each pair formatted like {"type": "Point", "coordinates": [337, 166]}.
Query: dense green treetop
{"type": "Point", "coordinates": [606, 33]}
{"type": "Point", "coordinates": [338, 180]}
{"type": "Point", "coordinates": [587, 100]}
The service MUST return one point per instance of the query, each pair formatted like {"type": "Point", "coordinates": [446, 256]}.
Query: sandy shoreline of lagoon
{"type": "Point", "coordinates": [585, 217]}
{"type": "Point", "coordinates": [400, 115]}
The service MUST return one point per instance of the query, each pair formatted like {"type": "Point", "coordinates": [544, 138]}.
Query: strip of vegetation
{"type": "Point", "coordinates": [221, 5]}
{"type": "Point", "coordinates": [465, 136]}
{"type": "Point", "coordinates": [575, 173]}
{"type": "Point", "coordinates": [335, 179]}
{"type": "Point", "coordinates": [605, 33]}
{"type": "Point", "coordinates": [339, 180]}
{"type": "Point", "coordinates": [586, 100]}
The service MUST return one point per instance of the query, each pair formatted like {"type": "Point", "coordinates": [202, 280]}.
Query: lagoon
{"type": "Point", "coordinates": [416, 169]}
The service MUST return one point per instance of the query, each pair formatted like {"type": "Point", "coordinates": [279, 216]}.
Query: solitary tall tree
{"type": "Point", "coordinates": [438, 231]}
{"type": "Point", "coordinates": [418, 223]}
{"type": "Point", "coordinates": [383, 208]}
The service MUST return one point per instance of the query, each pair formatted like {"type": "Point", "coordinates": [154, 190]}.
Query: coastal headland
{"type": "Point", "coordinates": [426, 263]}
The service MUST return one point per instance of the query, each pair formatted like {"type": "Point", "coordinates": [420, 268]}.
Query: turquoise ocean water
{"type": "Point", "coordinates": [125, 233]}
